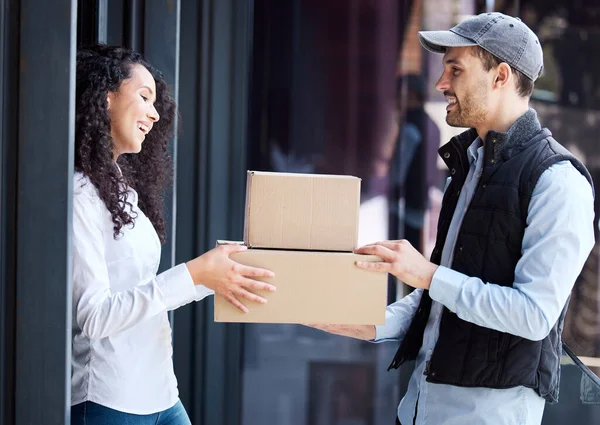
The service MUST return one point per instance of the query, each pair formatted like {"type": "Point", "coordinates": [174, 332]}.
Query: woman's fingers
{"type": "Point", "coordinates": [231, 248]}
{"type": "Point", "coordinates": [255, 271]}
{"type": "Point", "coordinates": [233, 300]}
{"type": "Point", "coordinates": [250, 296]}
{"type": "Point", "coordinates": [256, 285]}
{"type": "Point", "coordinates": [237, 284]}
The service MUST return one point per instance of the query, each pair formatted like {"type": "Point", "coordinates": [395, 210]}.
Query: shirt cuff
{"type": "Point", "coordinates": [202, 292]}
{"type": "Point", "coordinates": [177, 286]}
{"type": "Point", "coordinates": [388, 331]}
{"type": "Point", "coordinates": [445, 287]}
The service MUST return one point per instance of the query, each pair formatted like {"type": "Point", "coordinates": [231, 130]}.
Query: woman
{"type": "Point", "coordinates": [122, 371]}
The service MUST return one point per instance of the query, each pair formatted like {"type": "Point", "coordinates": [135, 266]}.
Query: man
{"type": "Point", "coordinates": [515, 229]}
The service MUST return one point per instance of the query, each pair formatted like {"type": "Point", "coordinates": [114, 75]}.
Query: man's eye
{"type": "Point", "coordinates": [455, 71]}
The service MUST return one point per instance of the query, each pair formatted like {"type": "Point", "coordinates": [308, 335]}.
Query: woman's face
{"type": "Point", "coordinates": [132, 112]}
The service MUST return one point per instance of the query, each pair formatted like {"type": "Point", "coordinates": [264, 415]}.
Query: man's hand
{"type": "Point", "coordinates": [215, 270]}
{"type": "Point", "coordinates": [364, 332]}
{"type": "Point", "coordinates": [402, 260]}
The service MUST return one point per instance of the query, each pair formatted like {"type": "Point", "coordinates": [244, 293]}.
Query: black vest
{"type": "Point", "coordinates": [488, 246]}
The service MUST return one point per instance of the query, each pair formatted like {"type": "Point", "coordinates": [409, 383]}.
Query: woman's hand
{"type": "Point", "coordinates": [232, 280]}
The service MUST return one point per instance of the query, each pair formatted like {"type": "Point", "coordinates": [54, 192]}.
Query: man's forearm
{"type": "Point", "coordinates": [364, 332]}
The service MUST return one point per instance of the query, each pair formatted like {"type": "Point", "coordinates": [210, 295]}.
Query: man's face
{"type": "Point", "coordinates": [466, 85]}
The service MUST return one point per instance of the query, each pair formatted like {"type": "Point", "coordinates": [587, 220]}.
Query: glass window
{"type": "Point", "coordinates": [567, 100]}
{"type": "Point", "coordinates": [324, 101]}
{"type": "Point", "coordinates": [344, 88]}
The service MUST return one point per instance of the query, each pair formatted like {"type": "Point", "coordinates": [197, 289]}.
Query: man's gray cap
{"type": "Point", "coordinates": [505, 37]}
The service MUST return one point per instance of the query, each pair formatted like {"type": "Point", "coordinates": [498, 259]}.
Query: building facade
{"type": "Point", "coordinates": [318, 86]}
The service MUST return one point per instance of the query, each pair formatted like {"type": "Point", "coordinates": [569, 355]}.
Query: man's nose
{"type": "Point", "coordinates": [443, 83]}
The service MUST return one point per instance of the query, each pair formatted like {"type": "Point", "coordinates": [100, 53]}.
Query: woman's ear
{"type": "Point", "coordinates": [108, 99]}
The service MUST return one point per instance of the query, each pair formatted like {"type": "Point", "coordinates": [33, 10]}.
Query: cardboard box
{"type": "Point", "coordinates": [301, 211]}
{"type": "Point", "coordinates": [312, 288]}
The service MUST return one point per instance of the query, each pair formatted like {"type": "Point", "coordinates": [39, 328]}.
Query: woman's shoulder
{"type": "Point", "coordinates": [84, 189]}
{"type": "Point", "coordinates": [82, 183]}
{"type": "Point", "coordinates": [87, 205]}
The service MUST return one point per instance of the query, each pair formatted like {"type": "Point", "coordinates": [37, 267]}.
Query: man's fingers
{"type": "Point", "coordinates": [367, 249]}
{"type": "Point", "coordinates": [320, 327]}
{"type": "Point", "coordinates": [388, 244]}
{"type": "Point", "coordinates": [379, 250]}
{"type": "Point", "coordinates": [257, 285]}
{"type": "Point", "coordinates": [370, 244]}
{"type": "Point", "coordinates": [375, 266]}
{"type": "Point", "coordinates": [391, 245]}
{"type": "Point", "coordinates": [233, 300]}
{"type": "Point", "coordinates": [250, 296]}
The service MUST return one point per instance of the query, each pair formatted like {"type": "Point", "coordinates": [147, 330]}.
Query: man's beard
{"type": "Point", "coordinates": [470, 111]}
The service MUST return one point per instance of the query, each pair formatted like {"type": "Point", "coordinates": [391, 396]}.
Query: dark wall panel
{"type": "Point", "coordinates": [211, 164]}
{"type": "Point", "coordinates": [43, 211]}
{"type": "Point", "coordinates": [161, 48]}
{"type": "Point", "coordinates": [37, 65]}
{"type": "Point", "coordinates": [9, 95]}
{"type": "Point", "coordinates": [187, 336]}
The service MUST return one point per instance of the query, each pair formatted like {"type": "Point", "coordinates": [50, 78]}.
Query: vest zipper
{"type": "Point", "coordinates": [427, 371]}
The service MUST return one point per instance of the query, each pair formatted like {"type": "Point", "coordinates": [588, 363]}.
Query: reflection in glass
{"type": "Point", "coordinates": [323, 94]}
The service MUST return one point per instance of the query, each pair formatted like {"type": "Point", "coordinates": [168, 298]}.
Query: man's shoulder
{"type": "Point", "coordinates": [562, 169]}
{"type": "Point", "coordinates": [562, 176]}
{"type": "Point", "coordinates": [554, 161]}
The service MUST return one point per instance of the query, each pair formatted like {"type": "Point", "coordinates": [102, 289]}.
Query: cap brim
{"type": "Point", "coordinates": [439, 41]}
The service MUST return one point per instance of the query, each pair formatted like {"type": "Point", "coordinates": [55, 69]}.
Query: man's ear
{"type": "Point", "coordinates": [503, 74]}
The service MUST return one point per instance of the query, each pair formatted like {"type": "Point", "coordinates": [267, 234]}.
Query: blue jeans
{"type": "Point", "coordinates": [89, 413]}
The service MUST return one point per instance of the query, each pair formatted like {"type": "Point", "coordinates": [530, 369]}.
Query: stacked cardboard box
{"type": "Point", "coordinates": [304, 228]}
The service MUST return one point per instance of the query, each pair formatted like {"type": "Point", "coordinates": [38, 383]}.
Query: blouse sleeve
{"type": "Point", "coordinates": [99, 311]}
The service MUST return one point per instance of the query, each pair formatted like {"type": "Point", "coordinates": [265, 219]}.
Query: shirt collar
{"type": "Point", "coordinates": [474, 150]}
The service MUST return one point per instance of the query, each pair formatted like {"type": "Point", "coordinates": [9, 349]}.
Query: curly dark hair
{"type": "Point", "coordinates": [102, 69]}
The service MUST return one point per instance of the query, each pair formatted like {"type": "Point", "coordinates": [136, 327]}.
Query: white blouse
{"type": "Point", "coordinates": [122, 351]}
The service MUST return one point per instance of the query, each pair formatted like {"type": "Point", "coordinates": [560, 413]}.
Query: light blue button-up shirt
{"type": "Point", "coordinates": [556, 243]}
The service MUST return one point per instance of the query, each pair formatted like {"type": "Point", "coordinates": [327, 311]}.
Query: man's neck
{"type": "Point", "coordinates": [502, 121]}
